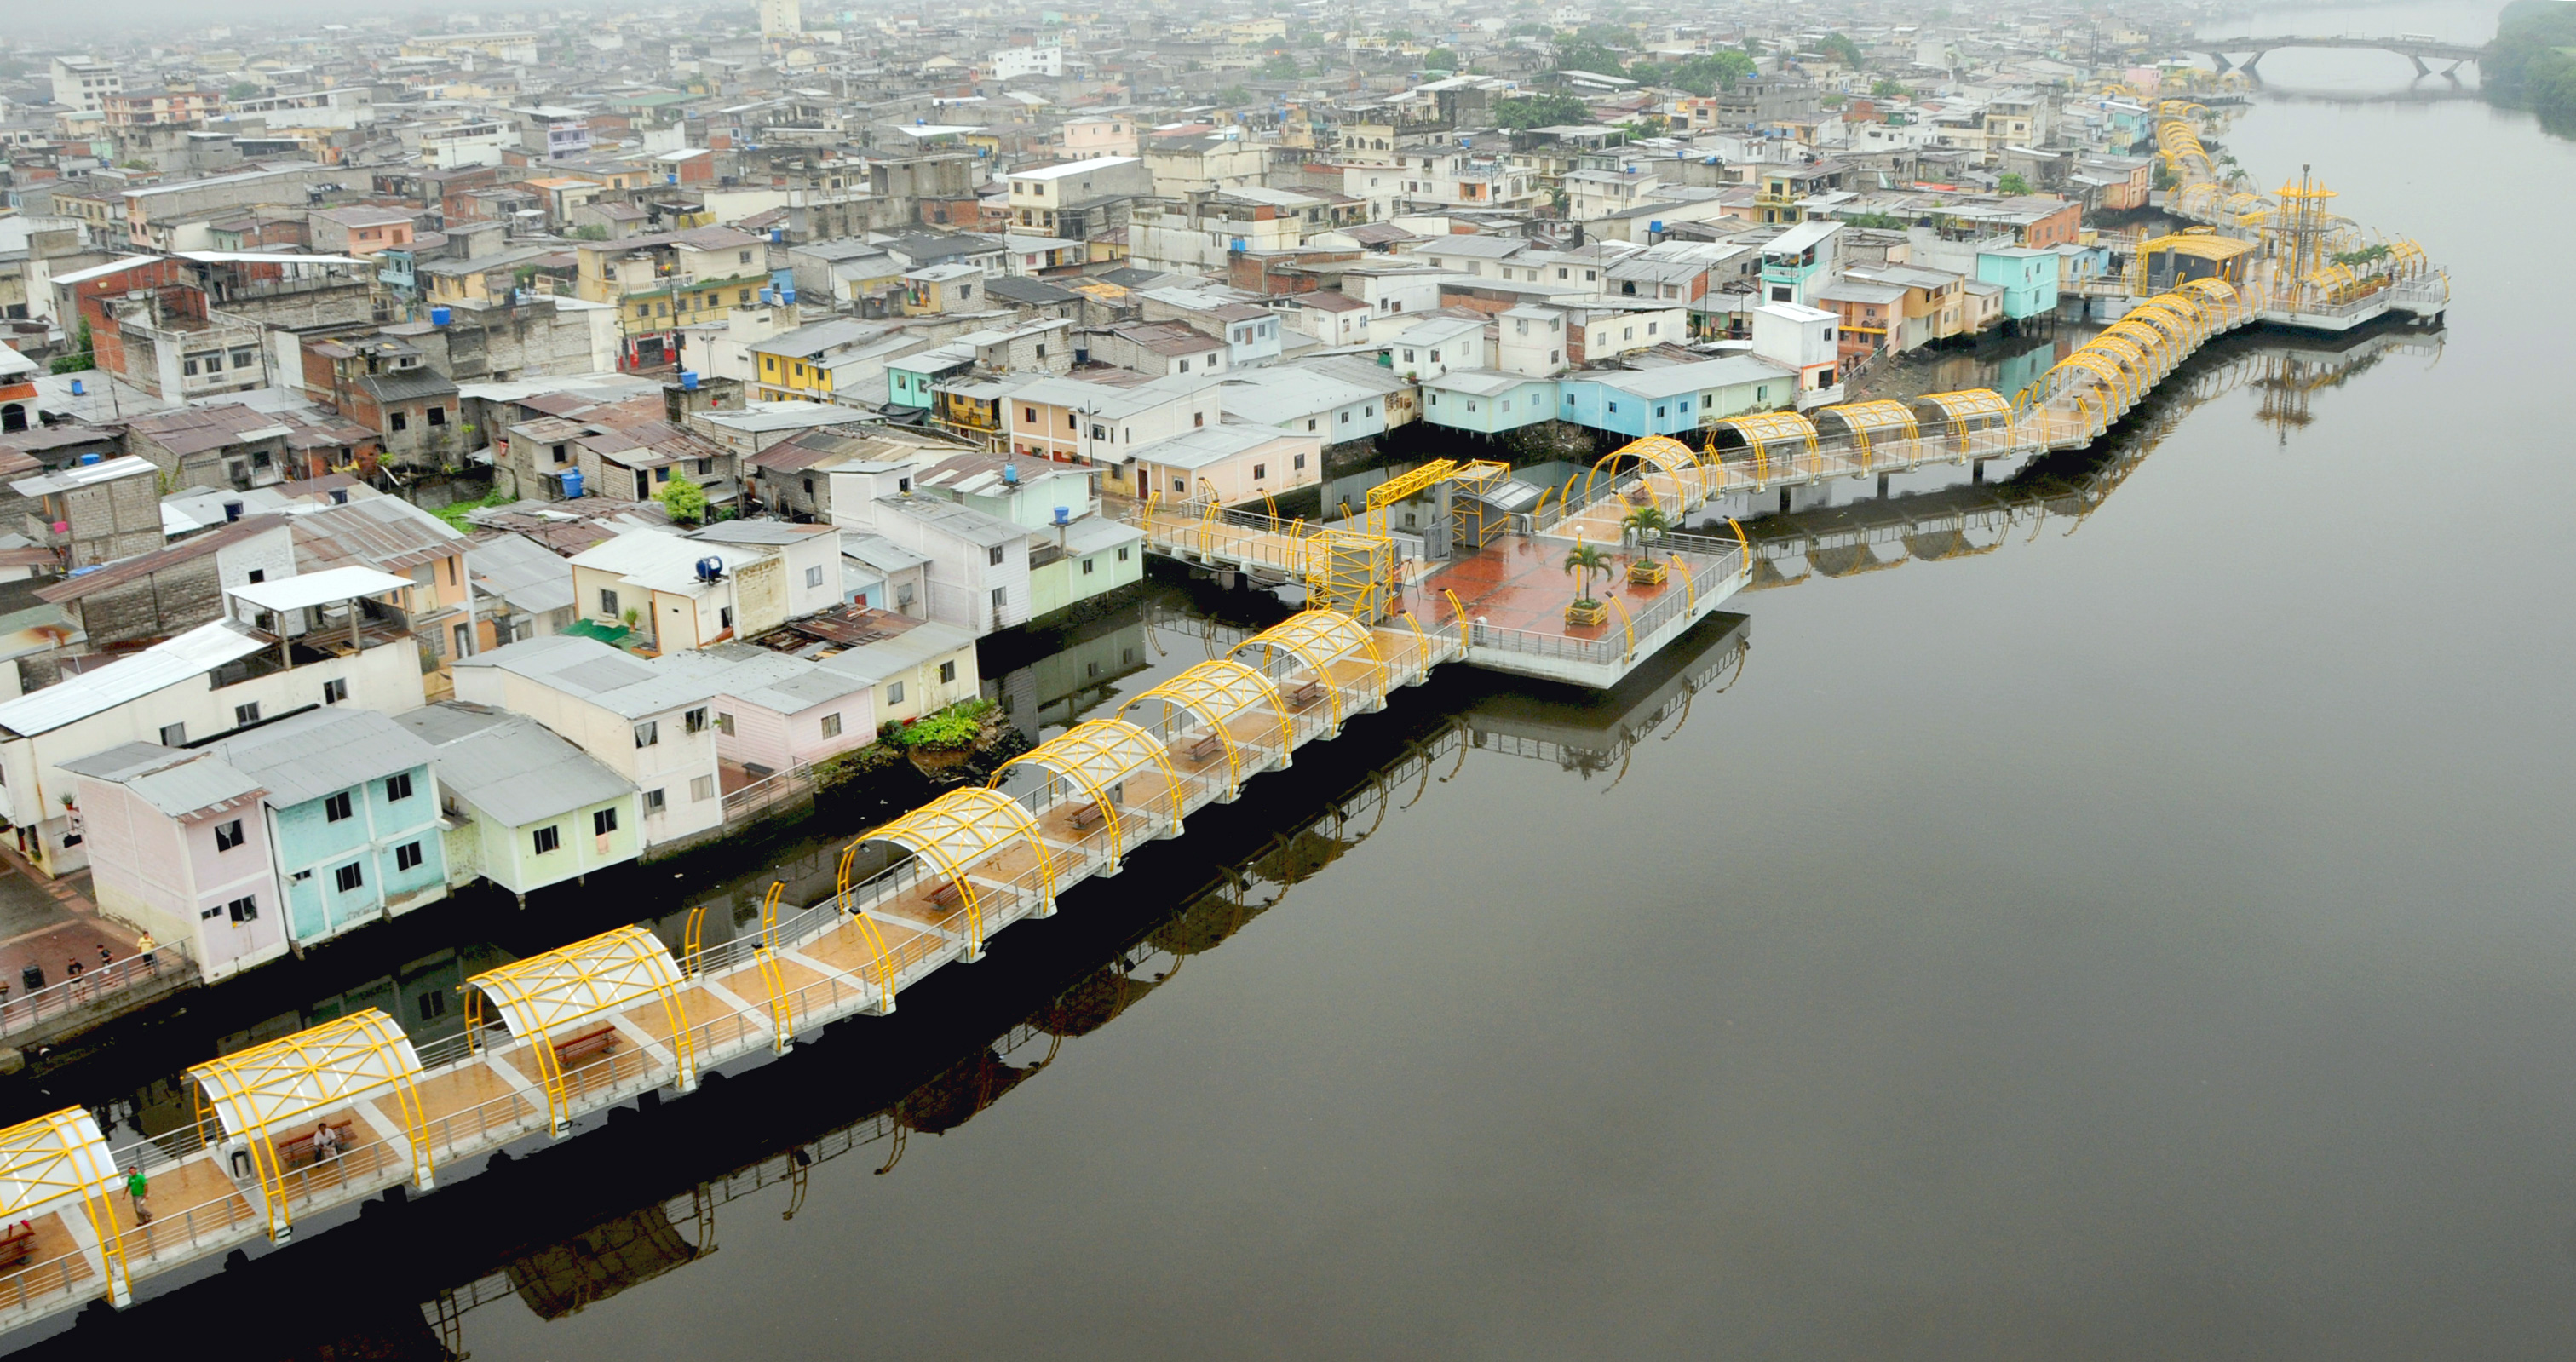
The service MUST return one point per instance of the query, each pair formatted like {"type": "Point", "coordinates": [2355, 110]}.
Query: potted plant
{"type": "Point", "coordinates": [1581, 562]}
{"type": "Point", "coordinates": [1647, 524]}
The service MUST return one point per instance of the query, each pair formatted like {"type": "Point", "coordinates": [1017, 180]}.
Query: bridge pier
{"type": "Point", "coordinates": [2420, 68]}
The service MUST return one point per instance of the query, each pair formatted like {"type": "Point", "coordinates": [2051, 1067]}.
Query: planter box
{"type": "Point", "coordinates": [1643, 573]}
{"type": "Point", "coordinates": [1587, 613]}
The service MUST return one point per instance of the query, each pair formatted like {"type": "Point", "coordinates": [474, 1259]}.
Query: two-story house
{"type": "Point", "coordinates": [525, 808]}
{"type": "Point", "coordinates": [352, 813]}
{"type": "Point", "coordinates": [653, 728]}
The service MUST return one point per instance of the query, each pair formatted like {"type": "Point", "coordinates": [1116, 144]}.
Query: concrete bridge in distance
{"type": "Point", "coordinates": [2418, 50]}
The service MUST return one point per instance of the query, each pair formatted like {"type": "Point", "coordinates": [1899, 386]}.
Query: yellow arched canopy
{"type": "Point", "coordinates": [1320, 638]}
{"type": "Point", "coordinates": [1863, 423]}
{"type": "Point", "coordinates": [1970, 410]}
{"type": "Point", "coordinates": [259, 1092]}
{"type": "Point", "coordinates": [1096, 757]}
{"type": "Point", "coordinates": [58, 1158]}
{"type": "Point", "coordinates": [1219, 692]}
{"type": "Point", "coordinates": [1662, 451]}
{"type": "Point", "coordinates": [960, 828]}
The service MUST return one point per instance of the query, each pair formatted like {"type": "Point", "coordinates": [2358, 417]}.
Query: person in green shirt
{"type": "Point", "coordinates": [137, 1187]}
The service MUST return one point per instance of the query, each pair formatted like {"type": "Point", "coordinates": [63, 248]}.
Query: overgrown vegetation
{"type": "Point", "coordinates": [2532, 64]}
{"type": "Point", "coordinates": [953, 729]}
{"type": "Point", "coordinates": [1702, 74]}
{"type": "Point", "coordinates": [454, 512]}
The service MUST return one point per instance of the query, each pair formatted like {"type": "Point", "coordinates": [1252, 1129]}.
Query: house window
{"type": "Point", "coordinates": [695, 721]}
{"type": "Point", "coordinates": [399, 421]}
{"type": "Point", "coordinates": [993, 556]}
{"type": "Point", "coordinates": [724, 723]}
{"type": "Point", "coordinates": [351, 878]}
{"type": "Point", "coordinates": [398, 787]}
{"type": "Point", "coordinates": [335, 690]}
{"type": "Point", "coordinates": [603, 822]}
{"type": "Point", "coordinates": [648, 733]}
{"type": "Point", "coordinates": [831, 725]}
{"type": "Point", "coordinates": [1180, 485]}
{"type": "Point", "coordinates": [948, 671]}
{"type": "Point", "coordinates": [1260, 471]}
{"type": "Point", "coordinates": [608, 602]}
{"type": "Point", "coordinates": [174, 735]}
{"type": "Point", "coordinates": [1001, 598]}
{"type": "Point", "coordinates": [243, 909]}
{"type": "Point", "coordinates": [724, 617]}
{"type": "Point", "coordinates": [1310, 423]}
{"type": "Point", "coordinates": [335, 808]}
{"type": "Point", "coordinates": [547, 839]}
{"type": "Point", "coordinates": [1087, 565]}
{"type": "Point", "coordinates": [406, 856]}
{"type": "Point", "coordinates": [228, 835]}
{"type": "Point", "coordinates": [246, 715]}
{"type": "Point", "coordinates": [653, 802]}
{"type": "Point", "coordinates": [894, 692]}
{"type": "Point", "coordinates": [438, 416]}
{"type": "Point", "coordinates": [1346, 418]}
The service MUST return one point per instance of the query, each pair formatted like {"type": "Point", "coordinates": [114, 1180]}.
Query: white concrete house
{"type": "Point", "coordinates": [654, 728]}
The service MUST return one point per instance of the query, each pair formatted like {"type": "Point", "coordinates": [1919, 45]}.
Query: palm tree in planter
{"type": "Point", "coordinates": [1647, 524]}
{"type": "Point", "coordinates": [1582, 561]}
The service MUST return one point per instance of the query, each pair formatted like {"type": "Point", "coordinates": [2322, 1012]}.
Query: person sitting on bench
{"type": "Point", "coordinates": [326, 1143]}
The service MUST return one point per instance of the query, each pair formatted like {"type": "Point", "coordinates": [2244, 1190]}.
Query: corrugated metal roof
{"type": "Point", "coordinates": [186, 658]}
{"type": "Point", "coordinates": [509, 767]}
{"type": "Point", "coordinates": [303, 757]}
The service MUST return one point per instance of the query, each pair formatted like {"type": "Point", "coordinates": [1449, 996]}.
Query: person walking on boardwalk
{"type": "Point", "coordinates": [149, 949]}
{"type": "Point", "coordinates": [137, 1187]}
{"type": "Point", "coordinates": [72, 979]}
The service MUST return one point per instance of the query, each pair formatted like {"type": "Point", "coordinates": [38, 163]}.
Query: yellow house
{"type": "Point", "coordinates": [671, 280]}
{"type": "Point", "coordinates": [795, 366]}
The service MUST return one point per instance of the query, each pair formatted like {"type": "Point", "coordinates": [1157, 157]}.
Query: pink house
{"type": "Point", "coordinates": [179, 848]}
{"type": "Point", "coordinates": [775, 711]}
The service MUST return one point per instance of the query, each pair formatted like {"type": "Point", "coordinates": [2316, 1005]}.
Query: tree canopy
{"type": "Point", "coordinates": [1841, 48]}
{"type": "Point", "coordinates": [2012, 182]}
{"type": "Point", "coordinates": [1701, 74]}
{"type": "Point", "coordinates": [685, 500]}
{"type": "Point", "coordinates": [1541, 111]}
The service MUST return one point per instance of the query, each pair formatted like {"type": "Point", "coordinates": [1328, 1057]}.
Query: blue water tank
{"type": "Point", "coordinates": [1064, 515]}
{"type": "Point", "coordinates": [572, 484]}
{"type": "Point", "coordinates": [88, 459]}
{"type": "Point", "coordinates": [688, 380]}
{"type": "Point", "coordinates": [78, 390]}
{"type": "Point", "coordinates": [778, 236]}
{"type": "Point", "coordinates": [439, 316]}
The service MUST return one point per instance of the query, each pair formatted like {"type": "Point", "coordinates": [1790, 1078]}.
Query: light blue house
{"type": "Point", "coordinates": [2027, 275]}
{"type": "Point", "coordinates": [1487, 401]}
{"type": "Point", "coordinates": [352, 808]}
{"type": "Point", "coordinates": [909, 379]}
{"type": "Point", "coordinates": [1673, 398]}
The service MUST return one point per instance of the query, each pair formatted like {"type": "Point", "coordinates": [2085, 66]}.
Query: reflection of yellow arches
{"type": "Point", "coordinates": [1219, 692]}
{"type": "Point", "coordinates": [1097, 756]}
{"type": "Point", "coordinates": [960, 828]}
{"type": "Point", "coordinates": [60, 1155]}
{"type": "Point", "coordinates": [256, 1092]}
{"type": "Point", "coordinates": [588, 979]}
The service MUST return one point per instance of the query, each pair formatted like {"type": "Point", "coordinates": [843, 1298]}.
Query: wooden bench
{"type": "Point", "coordinates": [1306, 694]}
{"type": "Point", "coordinates": [944, 894]}
{"type": "Point", "coordinates": [18, 1245]}
{"type": "Point", "coordinates": [1088, 815]}
{"type": "Point", "coordinates": [298, 1152]}
{"type": "Point", "coordinates": [571, 1051]}
{"type": "Point", "coordinates": [1207, 746]}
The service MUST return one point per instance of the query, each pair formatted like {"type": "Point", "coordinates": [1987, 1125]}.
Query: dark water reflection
{"type": "Point", "coordinates": [2140, 926]}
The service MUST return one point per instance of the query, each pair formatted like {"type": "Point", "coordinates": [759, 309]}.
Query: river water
{"type": "Point", "coordinates": [2149, 937]}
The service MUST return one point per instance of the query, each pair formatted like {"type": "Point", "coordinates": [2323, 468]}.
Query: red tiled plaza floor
{"type": "Point", "coordinates": [1521, 583]}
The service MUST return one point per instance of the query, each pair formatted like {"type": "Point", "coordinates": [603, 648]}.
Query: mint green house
{"type": "Point", "coordinates": [352, 811]}
{"type": "Point", "coordinates": [524, 808]}
{"type": "Point", "coordinates": [1487, 401]}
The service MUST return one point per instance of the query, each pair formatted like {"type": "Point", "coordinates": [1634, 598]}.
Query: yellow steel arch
{"type": "Point", "coordinates": [1864, 422]}
{"type": "Point", "coordinates": [2144, 339]}
{"type": "Point", "coordinates": [1096, 756]}
{"type": "Point", "coordinates": [1970, 410]}
{"type": "Point", "coordinates": [1319, 638]}
{"type": "Point", "coordinates": [1662, 451]}
{"type": "Point", "coordinates": [1760, 431]}
{"type": "Point", "coordinates": [962, 827]}
{"type": "Point", "coordinates": [2119, 350]}
{"type": "Point", "coordinates": [1218, 692]}
{"type": "Point", "coordinates": [2111, 376]}
{"type": "Point", "coordinates": [2168, 324]}
{"type": "Point", "coordinates": [590, 980]}
{"type": "Point", "coordinates": [62, 1155]}
{"type": "Point", "coordinates": [255, 1092]}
